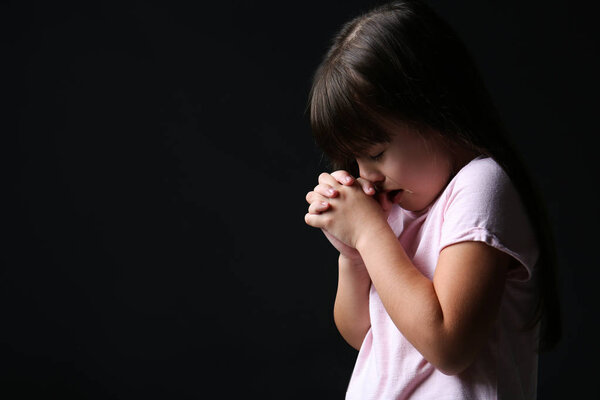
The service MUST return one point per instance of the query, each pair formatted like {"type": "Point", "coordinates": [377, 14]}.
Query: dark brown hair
{"type": "Point", "coordinates": [401, 62]}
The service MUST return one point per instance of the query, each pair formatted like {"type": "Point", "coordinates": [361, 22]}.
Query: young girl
{"type": "Point", "coordinates": [446, 268]}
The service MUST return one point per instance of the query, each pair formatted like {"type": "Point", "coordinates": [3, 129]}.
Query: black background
{"type": "Point", "coordinates": [156, 244]}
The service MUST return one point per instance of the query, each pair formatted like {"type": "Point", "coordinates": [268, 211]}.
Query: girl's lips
{"type": "Point", "coordinates": [394, 196]}
{"type": "Point", "coordinates": [387, 198]}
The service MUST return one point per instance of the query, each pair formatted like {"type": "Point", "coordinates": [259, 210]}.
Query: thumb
{"type": "Point", "coordinates": [384, 202]}
{"type": "Point", "coordinates": [367, 186]}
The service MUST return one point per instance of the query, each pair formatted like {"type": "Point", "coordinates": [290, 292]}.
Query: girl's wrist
{"type": "Point", "coordinates": [371, 232]}
{"type": "Point", "coordinates": [353, 269]}
{"type": "Point", "coordinates": [353, 262]}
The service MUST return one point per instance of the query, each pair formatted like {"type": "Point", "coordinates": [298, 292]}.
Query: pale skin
{"type": "Point", "coordinates": [446, 319]}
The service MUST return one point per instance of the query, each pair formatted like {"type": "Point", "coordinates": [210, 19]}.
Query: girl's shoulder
{"type": "Point", "coordinates": [481, 200]}
{"type": "Point", "coordinates": [481, 170]}
{"type": "Point", "coordinates": [483, 178]}
{"type": "Point", "coordinates": [482, 187]}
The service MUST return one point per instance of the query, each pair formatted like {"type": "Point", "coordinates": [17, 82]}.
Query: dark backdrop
{"type": "Point", "coordinates": [155, 241]}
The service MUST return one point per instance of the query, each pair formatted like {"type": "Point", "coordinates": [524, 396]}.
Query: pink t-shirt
{"type": "Point", "coordinates": [479, 204]}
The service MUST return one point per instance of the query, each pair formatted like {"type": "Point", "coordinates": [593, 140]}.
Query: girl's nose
{"type": "Point", "coordinates": [369, 172]}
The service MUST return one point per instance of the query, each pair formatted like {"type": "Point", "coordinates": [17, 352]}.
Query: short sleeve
{"type": "Point", "coordinates": [483, 205]}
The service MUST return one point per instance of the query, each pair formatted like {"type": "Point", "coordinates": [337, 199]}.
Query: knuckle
{"type": "Point", "coordinates": [346, 179]}
{"type": "Point", "coordinates": [309, 196]}
{"type": "Point", "coordinates": [323, 190]}
{"type": "Point", "coordinates": [307, 218]}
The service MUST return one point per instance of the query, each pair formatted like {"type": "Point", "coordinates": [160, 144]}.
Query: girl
{"type": "Point", "coordinates": [446, 268]}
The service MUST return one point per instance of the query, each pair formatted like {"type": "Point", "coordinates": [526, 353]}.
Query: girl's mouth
{"type": "Point", "coordinates": [394, 196]}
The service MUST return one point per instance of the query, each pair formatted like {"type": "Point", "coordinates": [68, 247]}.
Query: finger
{"type": "Point", "coordinates": [384, 202]}
{"type": "Point", "coordinates": [318, 207]}
{"type": "Point", "coordinates": [314, 220]}
{"type": "Point", "coordinates": [367, 186]}
{"type": "Point", "coordinates": [314, 197]}
{"type": "Point", "coordinates": [343, 177]}
{"type": "Point", "coordinates": [311, 197]}
{"type": "Point", "coordinates": [326, 190]}
{"type": "Point", "coordinates": [327, 179]}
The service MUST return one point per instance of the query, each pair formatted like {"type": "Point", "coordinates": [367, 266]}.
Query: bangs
{"type": "Point", "coordinates": [345, 125]}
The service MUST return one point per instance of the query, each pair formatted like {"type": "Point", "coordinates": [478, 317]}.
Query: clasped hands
{"type": "Point", "coordinates": [346, 209]}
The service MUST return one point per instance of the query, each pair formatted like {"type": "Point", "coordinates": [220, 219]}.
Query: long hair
{"type": "Point", "coordinates": [401, 62]}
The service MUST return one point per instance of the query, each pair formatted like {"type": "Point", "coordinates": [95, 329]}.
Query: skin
{"type": "Point", "coordinates": [448, 319]}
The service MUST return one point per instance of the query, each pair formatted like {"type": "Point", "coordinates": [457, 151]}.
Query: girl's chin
{"type": "Point", "coordinates": [413, 205]}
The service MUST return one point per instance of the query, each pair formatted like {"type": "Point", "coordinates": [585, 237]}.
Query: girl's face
{"type": "Point", "coordinates": [410, 170]}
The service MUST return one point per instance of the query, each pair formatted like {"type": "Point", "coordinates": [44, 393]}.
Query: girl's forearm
{"type": "Point", "coordinates": [402, 287]}
{"type": "Point", "coordinates": [351, 309]}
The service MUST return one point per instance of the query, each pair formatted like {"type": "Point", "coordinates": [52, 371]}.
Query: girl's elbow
{"type": "Point", "coordinates": [452, 362]}
{"type": "Point", "coordinates": [454, 351]}
{"type": "Point", "coordinates": [452, 367]}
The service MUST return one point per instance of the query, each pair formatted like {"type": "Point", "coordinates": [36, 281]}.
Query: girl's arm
{"type": "Point", "coordinates": [448, 319]}
{"type": "Point", "coordinates": [351, 308]}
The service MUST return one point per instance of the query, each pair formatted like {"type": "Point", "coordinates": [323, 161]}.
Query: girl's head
{"type": "Point", "coordinates": [398, 64]}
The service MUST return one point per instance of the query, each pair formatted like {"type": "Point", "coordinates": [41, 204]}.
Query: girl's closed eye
{"type": "Point", "coordinates": [377, 156]}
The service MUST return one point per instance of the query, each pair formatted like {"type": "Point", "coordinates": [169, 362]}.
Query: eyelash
{"type": "Point", "coordinates": [377, 157]}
